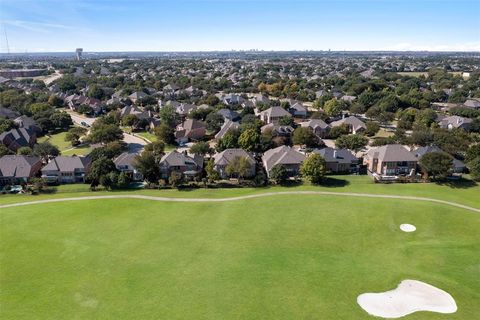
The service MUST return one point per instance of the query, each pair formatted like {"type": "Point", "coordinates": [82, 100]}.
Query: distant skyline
{"type": "Point", "coordinates": [209, 25]}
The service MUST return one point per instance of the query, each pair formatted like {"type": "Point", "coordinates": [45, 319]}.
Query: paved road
{"type": "Point", "coordinates": [135, 144]}
{"type": "Point", "coordinates": [268, 194]}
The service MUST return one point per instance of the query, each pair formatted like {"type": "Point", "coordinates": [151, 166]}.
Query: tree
{"type": "Point", "coordinates": [229, 140]}
{"type": "Point", "coordinates": [4, 150]}
{"type": "Point", "coordinates": [45, 150]}
{"type": "Point", "coordinates": [372, 128]}
{"type": "Point", "coordinates": [314, 168]}
{"type": "Point", "coordinates": [304, 136]}
{"type": "Point", "coordinates": [353, 142]}
{"type": "Point", "coordinates": [338, 131]}
{"type": "Point", "coordinates": [147, 165]}
{"type": "Point", "coordinates": [74, 134]}
{"type": "Point", "coordinates": [286, 121]}
{"type": "Point", "coordinates": [175, 179]}
{"type": "Point", "coordinates": [39, 107]}
{"type": "Point", "coordinates": [96, 92]}
{"type": "Point", "coordinates": [123, 180]}
{"type": "Point", "coordinates": [212, 174]}
{"type": "Point", "coordinates": [167, 115]}
{"type": "Point", "coordinates": [249, 140]}
{"type": "Point", "coordinates": [453, 141]}
{"type": "Point", "coordinates": [61, 120]}
{"type": "Point", "coordinates": [238, 167]}
{"type": "Point", "coordinates": [278, 174]}
{"type": "Point", "coordinates": [6, 124]}
{"type": "Point", "coordinates": [55, 101]}
{"type": "Point", "coordinates": [105, 133]}
{"type": "Point", "coordinates": [474, 167]}
{"type": "Point", "coordinates": [25, 151]}
{"type": "Point", "coordinates": [472, 152]}
{"type": "Point", "coordinates": [110, 150]}
{"type": "Point", "coordinates": [214, 121]}
{"type": "Point", "coordinates": [99, 171]}
{"type": "Point", "coordinates": [165, 133]}
{"type": "Point", "coordinates": [436, 164]}
{"type": "Point", "coordinates": [157, 148]}
{"type": "Point", "coordinates": [333, 108]}
{"type": "Point", "coordinates": [129, 120]}
{"type": "Point", "coordinates": [37, 185]}
{"type": "Point", "coordinates": [201, 148]}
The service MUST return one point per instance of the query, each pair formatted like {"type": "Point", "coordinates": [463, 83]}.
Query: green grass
{"type": "Point", "coordinates": [58, 140]}
{"type": "Point", "coordinates": [147, 135]}
{"type": "Point", "coordinates": [279, 257]}
{"type": "Point", "coordinates": [65, 147]}
{"type": "Point", "coordinates": [464, 192]}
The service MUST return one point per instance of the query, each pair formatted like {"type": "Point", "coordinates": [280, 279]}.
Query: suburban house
{"type": "Point", "coordinates": [74, 101]}
{"type": "Point", "coordinates": [319, 127]}
{"type": "Point", "coordinates": [134, 97]}
{"type": "Point", "coordinates": [17, 138]}
{"type": "Point", "coordinates": [180, 162]}
{"type": "Point", "coordinates": [227, 125]}
{"type": "Point", "coordinates": [260, 99]}
{"type": "Point", "coordinates": [190, 129]}
{"type": "Point", "coordinates": [354, 124]}
{"type": "Point", "coordinates": [457, 165]}
{"type": "Point", "coordinates": [125, 162]}
{"type": "Point", "coordinates": [184, 108]}
{"type": "Point", "coordinates": [8, 113]}
{"type": "Point", "coordinates": [232, 99]}
{"type": "Point", "coordinates": [64, 169]}
{"type": "Point", "coordinates": [339, 160]}
{"type": "Point", "coordinates": [455, 122]}
{"type": "Point", "coordinates": [274, 114]}
{"type": "Point", "coordinates": [135, 111]}
{"type": "Point", "coordinates": [472, 103]}
{"type": "Point", "coordinates": [222, 159]}
{"type": "Point", "coordinates": [228, 114]}
{"type": "Point", "coordinates": [27, 123]}
{"type": "Point", "coordinates": [283, 156]}
{"type": "Point", "coordinates": [298, 110]}
{"type": "Point", "coordinates": [390, 160]}
{"type": "Point", "coordinates": [18, 169]}
{"type": "Point", "coordinates": [278, 130]}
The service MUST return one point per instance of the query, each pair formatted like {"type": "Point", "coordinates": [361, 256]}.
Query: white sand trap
{"type": "Point", "coordinates": [409, 297]}
{"type": "Point", "coordinates": [407, 227]}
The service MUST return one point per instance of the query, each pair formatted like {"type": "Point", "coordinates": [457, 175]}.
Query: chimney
{"type": "Point", "coordinates": [334, 153]}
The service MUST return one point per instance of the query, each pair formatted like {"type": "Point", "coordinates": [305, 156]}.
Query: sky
{"type": "Point", "coordinates": [207, 25]}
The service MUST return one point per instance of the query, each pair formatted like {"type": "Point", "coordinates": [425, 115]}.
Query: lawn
{"type": "Point", "coordinates": [285, 257]}
{"type": "Point", "coordinates": [65, 147]}
{"type": "Point", "coordinates": [465, 192]}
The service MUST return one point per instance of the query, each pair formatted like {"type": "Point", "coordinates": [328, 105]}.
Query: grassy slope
{"type": "Point", "coordinates": [465, 193]}
{"type": "Point", "coordinates": [65, 147]}
{"type": "Point", "coordinates": [293, 258]}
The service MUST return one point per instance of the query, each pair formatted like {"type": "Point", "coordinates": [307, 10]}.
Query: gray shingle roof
{"type": "Point", "coordinates": [67, 164]}
{"type": "Point", "coordinates": [336, 155]}
{"type": "Point", "coordinates": [16, 166]}
{"type": "Point", "coordinates": [391, 153]}
{"type": "Point", "coordinates": [282, 155]}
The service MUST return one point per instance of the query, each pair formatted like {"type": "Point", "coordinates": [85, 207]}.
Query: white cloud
{"type": "Point", "coordinates": [42, 27]}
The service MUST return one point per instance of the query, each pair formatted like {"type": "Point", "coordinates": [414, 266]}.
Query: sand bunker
{"type": "Point", "coordinates": [407, 227]}
{"type": "Point", "coordinates": [410, 296]}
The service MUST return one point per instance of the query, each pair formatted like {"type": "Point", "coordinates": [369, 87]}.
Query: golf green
{"type": "Point", "coordinates": [275, 257]}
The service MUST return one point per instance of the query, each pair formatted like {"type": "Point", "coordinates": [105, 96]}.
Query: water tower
{"type": "Point", "coordinates": [79, 52]}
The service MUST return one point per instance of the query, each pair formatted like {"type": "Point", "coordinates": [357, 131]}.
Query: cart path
{"type": "Point", "coordinates": [259, 195]}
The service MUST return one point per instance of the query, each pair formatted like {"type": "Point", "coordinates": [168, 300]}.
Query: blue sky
{"type": "Point", "coordinates": [190, 25]}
